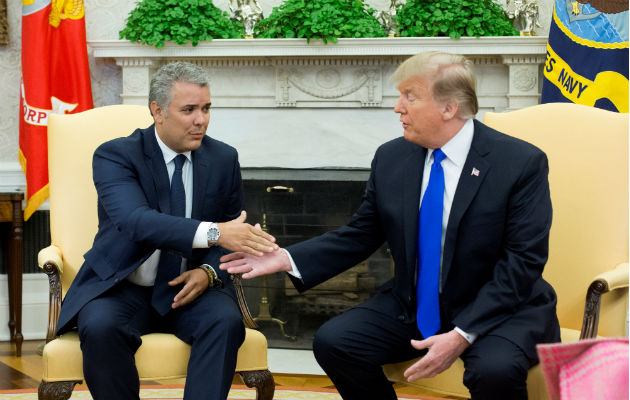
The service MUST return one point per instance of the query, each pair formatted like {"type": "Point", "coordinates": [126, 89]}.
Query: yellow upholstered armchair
{"type": "Point", "coordinates": [72, 140]}
{"type": "Point", "coordinates": [588, 254]}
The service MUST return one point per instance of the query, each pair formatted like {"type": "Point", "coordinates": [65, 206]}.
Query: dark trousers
{"type": "Point", "coordinates": [110, 327]}
{"type": "Point", "coordinates": [352, 347]}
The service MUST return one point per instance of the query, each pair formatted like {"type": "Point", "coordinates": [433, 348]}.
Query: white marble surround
{"type": "Point", "coordinates": [284, 103]}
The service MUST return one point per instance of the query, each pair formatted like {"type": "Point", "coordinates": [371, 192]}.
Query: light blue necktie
{"type": "Point", "coordinates": [429, 249]}
{"type": "Point", "coordinates": [170, 263]}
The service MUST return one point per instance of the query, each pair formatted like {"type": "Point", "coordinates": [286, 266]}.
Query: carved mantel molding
{"type": "Point", "coordinates": [247, 48]}
{"type": "Point", "coordinates": [346, 67]}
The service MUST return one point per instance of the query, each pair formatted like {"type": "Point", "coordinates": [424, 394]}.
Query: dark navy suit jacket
{"type": "Point", "coordinates": [133, 212]}
{"type": "Point", "coordinates": [495, 248]}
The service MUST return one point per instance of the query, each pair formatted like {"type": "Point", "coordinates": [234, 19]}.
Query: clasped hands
{"type": "Point", "coordinates": [251, 261]}
{"type": "Point", "coordinates": [236, 235]}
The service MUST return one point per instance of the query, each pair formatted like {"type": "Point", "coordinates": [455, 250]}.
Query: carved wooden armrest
{"type": "Point", "coordinates": [49, 259]}
{"type": "Point", "coordinates": [242, 304]}
{"type": "Point", "coordinates": [610, 280]}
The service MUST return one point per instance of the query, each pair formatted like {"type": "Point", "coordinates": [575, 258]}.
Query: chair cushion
{"type": "Point", "coordinates": [63, 360]}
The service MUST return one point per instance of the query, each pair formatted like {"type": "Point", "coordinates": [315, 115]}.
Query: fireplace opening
{"type": "Point", "coordinates": [294, 210]}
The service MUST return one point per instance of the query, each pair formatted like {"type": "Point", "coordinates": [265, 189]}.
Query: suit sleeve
{"type": "Point", "coordinates": [524, 252]}
{"type": "Point", "coordinates": [124, 201]}
{"type": "Point", "coordinates": [320, 258]}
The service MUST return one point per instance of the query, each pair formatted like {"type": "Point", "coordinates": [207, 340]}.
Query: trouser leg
{"type": "Point", "coordinates": [496, 369]}
{"type": "Point", "coordinates": [213, 326]}
{"type": "Point", "coordinates": [110, 327]}
{"type": "Point", "coordinates": [352, 347]}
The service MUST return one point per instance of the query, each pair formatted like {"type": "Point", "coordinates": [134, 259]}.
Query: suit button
{"type": "Point", "coordinates": [401, 317]}
{"type": "Point", "coordinates": [409, 299]}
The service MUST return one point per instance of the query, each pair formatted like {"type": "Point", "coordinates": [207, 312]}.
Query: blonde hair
{"type": "Point", "coordinates": [452, 77]}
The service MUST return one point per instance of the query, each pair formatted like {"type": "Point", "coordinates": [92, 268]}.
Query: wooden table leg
{"type": "Point", "coordinates": [14, 274]}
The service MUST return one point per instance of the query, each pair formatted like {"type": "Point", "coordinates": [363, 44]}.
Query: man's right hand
{"type": "Point", "coordinates": [236, 235]}
{"type": "Point", "coordinates": [251, 266]}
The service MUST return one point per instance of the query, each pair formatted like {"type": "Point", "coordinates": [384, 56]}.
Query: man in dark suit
{"type": "Point", "coordinates": [169, 206]}
{"type": "Point", "coordinates": [473, 289]}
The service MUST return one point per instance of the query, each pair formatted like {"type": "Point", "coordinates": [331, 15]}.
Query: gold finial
{"type": "Point", "coordinates": [62, 9]}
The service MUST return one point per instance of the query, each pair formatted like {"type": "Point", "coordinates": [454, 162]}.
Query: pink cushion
{"type": "Point", "coordinates": [588, 369]}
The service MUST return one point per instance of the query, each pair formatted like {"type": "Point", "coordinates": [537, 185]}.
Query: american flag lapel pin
{"type": "Point", "coordinates": [475, 172]}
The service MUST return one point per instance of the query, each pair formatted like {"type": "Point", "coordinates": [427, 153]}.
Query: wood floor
{"type": "Point", "coordinates": [25, 372]}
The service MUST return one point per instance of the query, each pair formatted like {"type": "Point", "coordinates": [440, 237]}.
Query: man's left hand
{"type": "Point", "coordinates": [443, 350]}
{"type": "Point", "coordinates": [195, 282]}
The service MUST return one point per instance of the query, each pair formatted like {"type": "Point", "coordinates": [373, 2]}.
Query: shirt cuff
{"type": "Point", "coordinates": [200, 241]}
{"type": "Point", "coordinates": [294, 271]}
{"type": "Point", "coordinates": [470, 337]}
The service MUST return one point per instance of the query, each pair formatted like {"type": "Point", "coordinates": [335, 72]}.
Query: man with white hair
{"type": "Point", "coordinates": [466, 212]}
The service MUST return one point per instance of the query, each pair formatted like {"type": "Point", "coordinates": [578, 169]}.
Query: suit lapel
{"type": "Point", "coordinates": [201, 171]}
{"type": "Point", "coordinates": [467, 188]}
{"type": "Point", "coordinates": [155, 162]}
{"type": "Point", "coordinates": [412, 184]}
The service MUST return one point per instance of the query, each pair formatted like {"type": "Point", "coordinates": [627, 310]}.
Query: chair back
{"type": "Point", "coordinates": [588, 175]}
{"type": "Point", "coordinates": [72, 139]}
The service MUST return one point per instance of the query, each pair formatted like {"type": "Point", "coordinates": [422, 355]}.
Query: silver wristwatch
{"type": "Point", "coordinates": [213, 234]}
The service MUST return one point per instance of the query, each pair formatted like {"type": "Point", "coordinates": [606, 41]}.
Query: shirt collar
{"type": "Point", "coordinates": [458, 147]}
{"type": "Point", "coordinates": [168, 153]}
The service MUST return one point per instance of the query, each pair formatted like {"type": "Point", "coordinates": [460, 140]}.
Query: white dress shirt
{"type": "Point", "coordinates": [456, 151]}
{"type": "Point", "coordinates": [145, 274]}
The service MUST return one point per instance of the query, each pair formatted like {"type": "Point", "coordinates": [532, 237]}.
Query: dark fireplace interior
{"type": "Point", "coordinates": [293, 211]}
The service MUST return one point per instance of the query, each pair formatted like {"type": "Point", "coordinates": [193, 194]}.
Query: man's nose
{"type": "Point", "coordinates": [201, 118]}
{"type": "Point", "coordinates": [398, 108]}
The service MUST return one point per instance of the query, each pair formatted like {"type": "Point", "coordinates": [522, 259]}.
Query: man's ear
{"type": "Point", "coordinates": [450, 109]}
{"type": "Point", "coordinates": [156, 111]}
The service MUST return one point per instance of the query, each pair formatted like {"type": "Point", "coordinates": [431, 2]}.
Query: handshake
{"type": "Point", "coordinates": [255, 251]}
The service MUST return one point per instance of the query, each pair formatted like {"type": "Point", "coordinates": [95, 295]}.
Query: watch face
{"type": "Point", "coordinates": [213, 234]}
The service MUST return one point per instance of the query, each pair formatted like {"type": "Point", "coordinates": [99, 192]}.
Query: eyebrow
{"type": "Point", "coordinates": [195, 105]}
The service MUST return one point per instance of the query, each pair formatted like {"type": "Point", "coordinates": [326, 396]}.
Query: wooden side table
{"type": "Point", "coordinates": [11, 211]}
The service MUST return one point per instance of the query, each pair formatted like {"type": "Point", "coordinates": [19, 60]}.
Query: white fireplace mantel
{"type": "Point", "coordinates": [345, 47]}
{"type": "Point", "coordinates": [285, 103]}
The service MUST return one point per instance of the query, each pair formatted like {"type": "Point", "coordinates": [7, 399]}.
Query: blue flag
{"type": "Point", "coordinates": [587, 55]}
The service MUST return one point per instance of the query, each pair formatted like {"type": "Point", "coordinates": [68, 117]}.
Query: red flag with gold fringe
{"type": "Point", "coordinates": [55, 79]}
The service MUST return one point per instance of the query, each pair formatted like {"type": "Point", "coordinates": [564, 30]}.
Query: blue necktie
{"type": "Point", "coordinates": [170, 263]}
{"type": "Point", "coordinates": [429, 249]}
{"type": "Point", "coordinates": [178, 195]}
